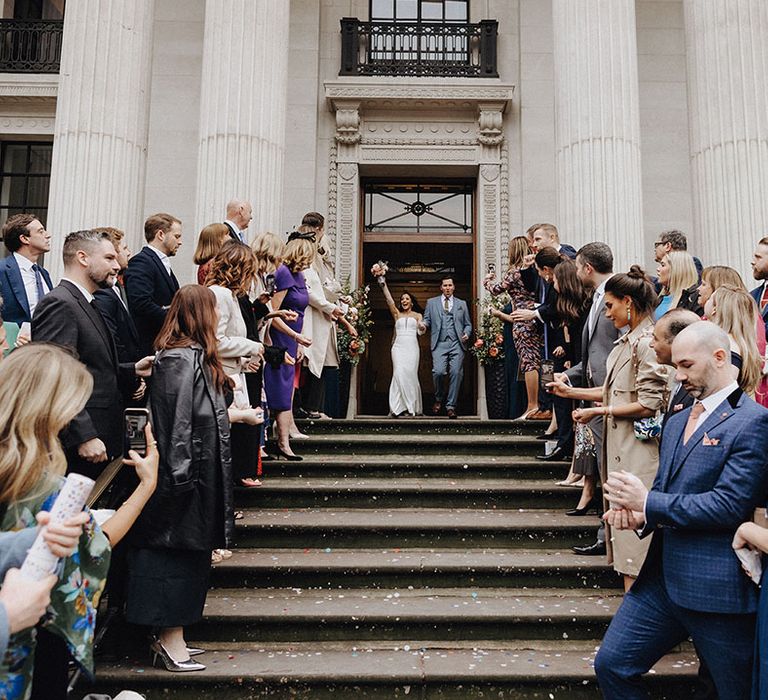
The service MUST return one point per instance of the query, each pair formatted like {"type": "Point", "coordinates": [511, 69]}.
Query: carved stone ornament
{"type": "Point", "coordinates": [347, 171]}
{"type": "Point", "coordinates": [348, 124]}
{"type": "Point", "coordinates": [489, 172]}
{"type": "Point", "coordinates": [491, 127]}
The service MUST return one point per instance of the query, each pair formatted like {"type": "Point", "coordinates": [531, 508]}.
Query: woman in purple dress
{"type": "Point", "coordinates": [290, 294]}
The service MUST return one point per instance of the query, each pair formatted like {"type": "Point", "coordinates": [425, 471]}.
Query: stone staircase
{"type": "Point", "coordinates": [413, 558]}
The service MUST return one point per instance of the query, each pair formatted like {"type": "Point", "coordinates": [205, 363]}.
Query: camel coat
{"type": "Point", "coordinates": [318, 323]}
{"type": "Point", "coordinates": [633, 375]}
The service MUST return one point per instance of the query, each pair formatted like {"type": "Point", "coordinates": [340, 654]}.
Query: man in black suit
{"type": "Point", "coordinates": [68, 317]}
{"type": "Point", "coordinates": [149, 280]}
{"type": "Point", "coordinates": [239, 215]}
{"type": "Point", "coordinates": [113, 304]}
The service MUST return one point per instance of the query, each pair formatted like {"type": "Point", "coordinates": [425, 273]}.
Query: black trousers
{"type": "Point", "coordinates": [313, 392]}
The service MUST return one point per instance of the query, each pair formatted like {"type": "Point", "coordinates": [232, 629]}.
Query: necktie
{"type": "Point", "coordinates": [38, 281]}
{"type": "Point", "coordinates": [241, 236]}
{"type": "Point", "coordinates": [445, 304]}
{"type": "Point", "coordinates": [764, 298]}
{"type": "Point", "coordinates": [690, 426]}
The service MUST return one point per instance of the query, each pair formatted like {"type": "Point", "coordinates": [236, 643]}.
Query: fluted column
{"type": "Point", "coordinates": [726, 44]}
{"type": "Point", "coordinates": [243, 109]}
{"type": "Point", "coordinates": [599, 193]}
{"type": "Point", "coordinates": [101, 130]}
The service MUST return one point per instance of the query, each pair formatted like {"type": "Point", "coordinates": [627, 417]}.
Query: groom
{"type": "Point", "coordinates": [447, 318]}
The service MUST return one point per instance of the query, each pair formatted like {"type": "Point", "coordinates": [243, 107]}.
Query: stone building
{"type": "Point", "coordinates": [428, 131]}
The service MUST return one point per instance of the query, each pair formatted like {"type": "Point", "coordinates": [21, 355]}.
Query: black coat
{"type": "Point", "coordinates": [120, 324]}
{"type": "Point", "coordinates": [150, 289]}
{"type": "Point", "coordinates": [65, 317]}
{"type": "Point", "coordinates": [191, 508]}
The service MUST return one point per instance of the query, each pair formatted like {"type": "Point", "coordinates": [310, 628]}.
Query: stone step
{"type": "Point", "coordinates": [404, 527]}
{"type": "Point", "coordinates": [423, 670]}
{"type": "Point", "coordinates": [295, 492]}
{"type": "Point", "coordinates": [418, 568]}
{"type": "Point", "coordinates": [290, 615]}
{"type": "Point", "coordinates": [401, 426]}
{"type": "Point", "coordinates": [415, 465]}
{"type": "Point", "coordinates": [421, 443]}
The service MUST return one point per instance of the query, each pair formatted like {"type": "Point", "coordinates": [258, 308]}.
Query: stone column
{"type": "Point", "coordinates": [728, 116]}
{"type": "Point", "coordinates": [102, 114]}
{"type": "Point", "coordinates": [243, 110]}
{"type": "Point", "coordinates": [599, 193]}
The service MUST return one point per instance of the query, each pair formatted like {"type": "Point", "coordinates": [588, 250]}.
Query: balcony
{"type": "Point", "coordinates": [30, 46]}
{"type": "Point", "coordinates": [419, 49]}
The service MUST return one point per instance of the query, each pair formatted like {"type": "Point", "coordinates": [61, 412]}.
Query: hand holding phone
{"type": "Point", "coordinates": [136, 420]}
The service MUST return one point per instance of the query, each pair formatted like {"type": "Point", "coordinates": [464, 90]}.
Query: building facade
{"type": "Point", "coordinates": [428, 131]}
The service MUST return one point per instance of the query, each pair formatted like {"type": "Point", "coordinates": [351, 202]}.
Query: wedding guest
{"type": "Point", "coordinates": [679, 282]}
{"type": "Point", "coordinates": [735, 311]}
{"type": "Point", "coordinates": [527, 335]}
{"type": "Point", "coordinates": [760, 273]}
{"type": "Point", "coordinates": [209, 243]}
{"type": "Point", "coordinates": [547, 236]}
{"type": "Point", "coordinates": [42, 389]}
{"type": "Point", "coordinates": [191, 513]}
{"type": "Point", "coordinates": [716, 276]}
{"type": "Point", "coordinates": [230, 278]}
{"type": "Point", "coordinates": [671, 241]}
{"type": "Point", "coordinates": [635, 388]}
{"type": "Point", "coordinates": [239, 216]}
{"type": "Point", "coordinates": [290, 295]}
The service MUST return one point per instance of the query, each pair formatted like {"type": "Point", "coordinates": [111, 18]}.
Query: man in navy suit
{"type": "Point", "coordinates": [712, 474]}
{"type": "Point", "coordinates": [23, 283]}
{"type": "Point", "coordinates": [149, 280]}
{"type": "Point", "coordinates": [448, 321]}
{"type": "Point", "coordinates": [760, 272]}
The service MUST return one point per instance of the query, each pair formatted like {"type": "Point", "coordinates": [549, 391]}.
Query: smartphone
{"type": "Point", "coordinates": [136, 420]}
{"type": "Point", "coordinates": [269, 285]}
{"type": "Point", "coordinates": [547, 371]}
{"type": "Point", "coordinates": [491, 268]}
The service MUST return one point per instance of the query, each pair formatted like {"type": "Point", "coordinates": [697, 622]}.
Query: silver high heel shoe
{"type": "Point", "coordinates": [194, 651]}
{"type": "Point", "coordinates": [159, 651]}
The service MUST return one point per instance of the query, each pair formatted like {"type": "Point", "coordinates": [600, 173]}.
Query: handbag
{"type": "Point", "coordinates": [650, 427]}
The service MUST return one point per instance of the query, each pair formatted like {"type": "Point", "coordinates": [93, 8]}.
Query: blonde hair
{"type": "Point", "coordinates": [718, 275]}
{"type": "Point", "coordinates": [682, 274]}
{"type": "Point", "coordinates": [269, 249]}
{"type": "Point", "coordinates": [737, 314]}
{"type": "Point", "coordinates": [518, 249]}
{"type": "Point", "coordinates": [42, 388]}
{"type": "Point", "coordinates": [299, 254]}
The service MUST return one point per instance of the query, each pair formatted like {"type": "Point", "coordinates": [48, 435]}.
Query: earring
{"type": "Point", "coordinates": [629, 313]}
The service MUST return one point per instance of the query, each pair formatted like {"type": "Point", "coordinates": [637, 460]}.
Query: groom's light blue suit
{"type": "Point", "coordinates": [446, 331]}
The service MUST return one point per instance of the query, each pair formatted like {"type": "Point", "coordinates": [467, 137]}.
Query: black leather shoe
{"type": "Point", "coordinates": [596, 549]}
{"type": "Point", "coordinates": [557, 455]}
{"type": "Point", "coordinates": [546, 436]}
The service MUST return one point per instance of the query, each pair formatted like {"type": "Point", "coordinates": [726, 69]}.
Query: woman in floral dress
{"type": "Point", "coordinates": [527, 335]}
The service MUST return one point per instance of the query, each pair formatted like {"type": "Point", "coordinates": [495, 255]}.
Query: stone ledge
{"type": "Point", "coordinates": [28, 87]}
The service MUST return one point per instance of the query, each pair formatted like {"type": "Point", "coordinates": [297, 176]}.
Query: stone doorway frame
{"type": "Point", "coordinates": [414, 125]}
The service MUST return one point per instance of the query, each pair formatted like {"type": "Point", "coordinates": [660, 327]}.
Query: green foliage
{"type": "Point", "coordinates": [489, 343]}
{"type": "Point", "coordinates": [359, 315]}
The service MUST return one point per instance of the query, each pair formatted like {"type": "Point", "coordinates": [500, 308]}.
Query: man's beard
{"type": "Point", "coordinates": [103, 283]}
{"type": "Point", "coordinates": [759, 274]}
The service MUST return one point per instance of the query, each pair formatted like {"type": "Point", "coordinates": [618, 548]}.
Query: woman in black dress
{"type": "Point", "coordinates": [190, 513]}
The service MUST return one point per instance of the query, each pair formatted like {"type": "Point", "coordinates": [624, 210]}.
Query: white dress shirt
{"type": "Point", "coordinates": [450, 302]}
{"type": "Point", "coordinates": [88, 296]}
{"type": "Point", "coordinates": [597, 298]}
{"type": "Point", "coordinates": [28, 278]}
{"type": "Point", "coordinates": [713, 401]}
{"type": "Point", "coordinates": [163, 258]}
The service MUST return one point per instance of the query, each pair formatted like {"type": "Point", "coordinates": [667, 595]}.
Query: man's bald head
{"type": "Point", "coordinates": [702, 355]}
{"type": "Point", "coordinates": [240, 213]}
{"type": "Point", "coordinates": [667, 328]}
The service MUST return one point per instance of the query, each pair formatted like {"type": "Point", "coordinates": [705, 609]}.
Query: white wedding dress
{"type": "Point", "coordinates": [405, 391]}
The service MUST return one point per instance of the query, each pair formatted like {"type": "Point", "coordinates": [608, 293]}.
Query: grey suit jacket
{"type": "Point", "coordinates": [433, 319]}
{"type": "Point", "coordinates": [596, 345]}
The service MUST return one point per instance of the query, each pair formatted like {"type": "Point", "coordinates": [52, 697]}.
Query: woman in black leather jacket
{"type": "Point", "coordinates": [191, 511]}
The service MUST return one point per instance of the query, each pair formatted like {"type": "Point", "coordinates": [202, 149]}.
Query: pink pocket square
{"type": "Point", "coordinates": [710, 441]}
{"type": "Point", "coordinates": [677, 407]}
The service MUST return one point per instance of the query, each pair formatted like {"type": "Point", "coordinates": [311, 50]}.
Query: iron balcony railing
{"type": "Point", "coordinates": [30, 46]}
{"type": "Point", "coordinates": [419, 48]}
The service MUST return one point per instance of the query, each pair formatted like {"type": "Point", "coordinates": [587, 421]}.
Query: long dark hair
{"type": "Point", "coordinates": [572, 299]}
{"type": "Point", "coordinates": [548, 257]}
{"type": "Point", "coordinates": [191, 319]}
{"type": "Point", "coordinates": [415, 306]}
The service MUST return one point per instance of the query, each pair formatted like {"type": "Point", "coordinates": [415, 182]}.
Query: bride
{"type": "Point", "coordinates": [405, 390]}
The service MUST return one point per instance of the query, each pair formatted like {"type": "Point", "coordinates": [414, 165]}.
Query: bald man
{"type": "Point", "coordinates": [712, 474]}
{"type": "Point", "coordinates": [239, 215]}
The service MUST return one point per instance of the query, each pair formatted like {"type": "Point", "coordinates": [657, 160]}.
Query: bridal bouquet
{"type": "Point", "coordinates": [358, 313]}
{"type": "Point", "coordinates": [489, 344]}
{"type": "Point", "coordinates": [379, 271]}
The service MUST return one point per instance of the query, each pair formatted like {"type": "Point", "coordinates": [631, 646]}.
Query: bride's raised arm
{"type": "Point", "coordinates": [377, 271]}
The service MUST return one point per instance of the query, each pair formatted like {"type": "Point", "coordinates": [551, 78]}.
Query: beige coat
{"type": "Point", "coordinates": [318, 323]}
{"type": "Point", "coordinates": [235, 349]}
{"type": "Point", "coordinates": [633, 375]}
